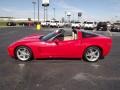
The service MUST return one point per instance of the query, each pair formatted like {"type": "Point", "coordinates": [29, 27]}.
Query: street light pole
{"type": "Point", "coordinates": [45, 4]}
{"type": "Point", "coordinates": [46, 13]}
{"type": "Point", "coordinates": [54, 12]}
{"type": "Point", "coordinates": [38, 11]}
{"type": "Point", "coordinates": [34, 9]}
{"type": "Point", "coordinates": [73, 18]}
{"type": "Point", "coordinates": [65, 15]}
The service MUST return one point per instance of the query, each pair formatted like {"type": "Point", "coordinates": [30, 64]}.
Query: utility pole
{"type": "Point", "coordinates": [34, 3]}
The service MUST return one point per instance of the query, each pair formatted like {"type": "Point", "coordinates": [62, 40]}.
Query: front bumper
{"type": "Point", "coordinates": [11, 52]}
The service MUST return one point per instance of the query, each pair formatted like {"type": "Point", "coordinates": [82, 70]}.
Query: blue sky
{"type": "Point", "coordinates": [91, 9]}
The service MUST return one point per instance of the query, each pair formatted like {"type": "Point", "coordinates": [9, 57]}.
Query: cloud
{"type": "Point", "coordinates": [6, 9]}
{"type": "Point", "coordinates": [67, 7]}
{"type": "Point", "coordinates": [62, 4]}
{"type": "Point", "coordinates": [74, 10]}
{"type": "Point", "coordinates": [61, 7]}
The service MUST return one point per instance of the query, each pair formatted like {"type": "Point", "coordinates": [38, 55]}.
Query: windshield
{"type": "Point", "coordinates": [116, 23]}
{"type": "Point", "coordinates": [89, 22]}
{"type": "Point", "coordinates": [47, 21]}
{"type": "Point", "coordinates": [48, 36]}
{"type": "Point", "coordinates": [57, 21]}
{"type": "Point", "coordinates": [77, 22]}
{"type": "Point", "coordinates": [102, 23]}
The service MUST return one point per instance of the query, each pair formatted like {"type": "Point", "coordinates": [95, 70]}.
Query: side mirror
{"type": "Point", "coordinates": [56, 41]}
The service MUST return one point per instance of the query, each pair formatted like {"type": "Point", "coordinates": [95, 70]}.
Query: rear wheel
{"type": "Point", "coordinates": [23, 53]}
{"type": "Point", "coordinates": [92, 54]}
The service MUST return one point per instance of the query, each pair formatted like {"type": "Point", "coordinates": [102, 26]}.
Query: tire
{"type": "Point", "coordinates": [23, 53]}
{"type": "Point", "coordinates": [92, 54]}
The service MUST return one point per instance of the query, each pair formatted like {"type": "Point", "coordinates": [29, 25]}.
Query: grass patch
{"type": "Point", "coordinates": [2, 23]}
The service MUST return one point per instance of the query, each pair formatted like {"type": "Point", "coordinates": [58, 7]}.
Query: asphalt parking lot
{"type": "Point", "coordinates": [57, 74]}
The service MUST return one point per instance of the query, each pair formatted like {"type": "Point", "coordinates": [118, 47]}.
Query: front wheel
{"type": "Point", "coordinates": [23, 53]}
{"type": "Point", "coordinates": [92, 54]}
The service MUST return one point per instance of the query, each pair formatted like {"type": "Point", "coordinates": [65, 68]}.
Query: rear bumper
{"type": "Point", "coordinates": [108, 47]}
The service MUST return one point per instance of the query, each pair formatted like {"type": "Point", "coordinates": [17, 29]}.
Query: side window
{"type": "Point", "coordinates": [74, 36]}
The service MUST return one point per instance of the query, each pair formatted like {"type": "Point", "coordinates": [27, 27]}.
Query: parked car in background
{"type": "Point", "coordinates": [66, 24]}
{"type": "Point", "coordinates": [102, 26]}
{"type": "Point", "coordinates": [23, 24]}
{"type": "Point", "coordinates": [54, 24]}
{"type": "Point", "coordinates": [76, 25]}
{"type": "Point", "coordinates": [35, 23]}
{"type": "Point", "coordinates": [11, 23]}
{"type": "Point", "coordinates": [89, 25]}
{"type": "Point", "coordinates": [115, 27]}
{"type": "Point", "coordinates": [45, 23]}
{"type": "Point", "coordinates": [48, 23]}
{"type": "Point", "coordinates": [60, 24]}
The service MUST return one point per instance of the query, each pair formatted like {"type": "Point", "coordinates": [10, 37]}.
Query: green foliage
{"type": "Point", "coordinates": [2, 23]}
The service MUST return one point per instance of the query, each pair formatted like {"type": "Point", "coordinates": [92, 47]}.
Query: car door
{"type": "Point", "coordinates": [63, 49]}
{"type": "Point", "coordinates": [69, 49]}
{"type": "Point", "coordinates": [47, 49]}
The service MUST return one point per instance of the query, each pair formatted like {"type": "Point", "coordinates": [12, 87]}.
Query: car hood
{"type": "Point", "coordinates": [30, 38]}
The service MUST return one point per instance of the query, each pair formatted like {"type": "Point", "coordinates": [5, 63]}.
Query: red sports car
{"type": "Point", "coordinates": [81, 44]}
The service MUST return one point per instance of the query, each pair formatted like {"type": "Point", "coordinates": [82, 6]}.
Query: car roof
{"type": "Point", "coordinates": [82, 30]}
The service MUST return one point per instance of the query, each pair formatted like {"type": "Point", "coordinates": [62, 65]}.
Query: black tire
{"type": "Point", "coordinates": [29, 51]}
{"type": "Point", "coordinates": [98, 54]}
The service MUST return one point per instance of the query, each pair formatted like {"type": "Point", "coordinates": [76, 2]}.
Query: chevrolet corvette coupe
{"type": "Point", "coordinates": [81, 44]}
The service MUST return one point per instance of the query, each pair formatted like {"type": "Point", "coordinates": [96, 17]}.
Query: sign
{"type": "Point", "coordinates": [45, 2]}
{"type": "Point", "coordinates": [79, 14]}
{"type": "Point", "coordinates": [69, 14]}
{"type": "Point", "coordinates": [38, 27]}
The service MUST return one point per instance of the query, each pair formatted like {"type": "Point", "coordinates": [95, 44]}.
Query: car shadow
{"type": "Point", "coordinates": [49, 60]}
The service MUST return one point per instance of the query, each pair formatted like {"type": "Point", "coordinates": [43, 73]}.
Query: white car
{"type": "Point", "coordinates": [45, 23]}
{"type": "Point", "coordinates": [54, 23]}
{"type": "Point", "coordinates": [89, 25]}
{"type": "Point", "coordinates": [60, 24]}
{"type": "Point", "coordinates": [76, 25]}
{"type": "Point", "coordinates": [48, 23]}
